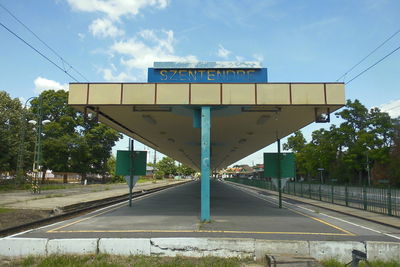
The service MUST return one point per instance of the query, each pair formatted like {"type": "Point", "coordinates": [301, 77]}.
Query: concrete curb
{"type": "Point", "coordinates": [198, 247]}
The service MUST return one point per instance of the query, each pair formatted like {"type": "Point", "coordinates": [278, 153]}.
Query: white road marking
{"type": "Point", "coordinates": [310, 210]}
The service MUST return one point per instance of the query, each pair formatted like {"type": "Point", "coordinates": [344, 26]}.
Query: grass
{"type": "Point", "coordinates": [5, 210]}
{"type": "Point", "coordinates": [116, 261]}
{"type": "Point", "coordinates": [335, 263]}
{"type": "Point", "coordinates": [49, 196]}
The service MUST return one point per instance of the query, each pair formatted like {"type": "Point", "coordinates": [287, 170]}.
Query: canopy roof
{"type": "Point", "coordinates": [245, 116]}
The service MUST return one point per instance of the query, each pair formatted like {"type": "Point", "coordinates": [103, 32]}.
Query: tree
{"type": "Point", "coordinates": [365, 138]}
{"type": "Point", "coordinates": [185, 170]}
{"type": "Point", "coordinates": [167, 165]}
{"type": "Point", "coordinates": [71, 143]}
{"type": "Point", "coordinates": [296, 142]}
{"type": "Point", "coordinates": [11, 112]}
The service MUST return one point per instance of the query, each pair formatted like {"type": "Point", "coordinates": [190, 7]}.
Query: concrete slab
{"type": "Point", "coordinates": [72, 246]}
{"type": "Point", "coordinates": [125, 246]}
{"type": "Point", "coordinates": [14, 247]}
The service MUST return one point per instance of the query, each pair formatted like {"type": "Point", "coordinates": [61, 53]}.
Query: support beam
{"type": "Point", "coordinates": [205, 163]}
{"type": "Point", "coordinates": [279, 172]}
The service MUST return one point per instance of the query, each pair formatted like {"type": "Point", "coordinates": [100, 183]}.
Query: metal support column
{"type": "Point", "coordinates": [279, 173]}
{"type": "Point", "coordinates": [130, 184]}
{"type": "Point", "coordinates": [205, 163]}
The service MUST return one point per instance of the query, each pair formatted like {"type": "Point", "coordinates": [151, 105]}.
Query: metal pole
{"type": "Point", "coordinates": [37, 157]}
{"type": "Point", "coordinates": [131, 149]}
{"type": "Point", "coordinates": [205, 163]}
{"type": "Point", "coordinates": [279, 173]}
{"type": "Point", "coordinates": [368, 171]}
{"type": "Point", "coordinates": [22, 132]}
{"type": "Point", "coordinates": [389, 200]}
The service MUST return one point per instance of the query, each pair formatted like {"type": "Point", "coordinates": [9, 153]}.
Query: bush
{"type": "Point", "coordinates": [159, 174]}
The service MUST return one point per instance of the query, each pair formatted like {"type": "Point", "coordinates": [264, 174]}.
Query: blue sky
{"type": "Point", "coordinates": [116, 40]}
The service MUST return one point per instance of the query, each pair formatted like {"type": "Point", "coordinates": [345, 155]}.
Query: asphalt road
{"type": "Point", "coordinates": [236, 212]}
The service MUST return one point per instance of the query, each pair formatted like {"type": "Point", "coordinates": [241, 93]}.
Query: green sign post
{"type": "Point", "coordinates": [124, 161]}
{"type": "Point", "coordinates": [131, 164]}
{"type": "Point", "coordinates": [287, 165]}
{"type": "Point", "coordinates": [279, 165]}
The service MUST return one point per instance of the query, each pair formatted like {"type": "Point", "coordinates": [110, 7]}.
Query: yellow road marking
{"type": "Point", "coordinates": [311, 217]}
{"type": "Point", "coordinates": [198, 231]}
{"type": "Point", "coordinates": [322, 221]}
{"type": "Point", "coordinates": [55, 230]}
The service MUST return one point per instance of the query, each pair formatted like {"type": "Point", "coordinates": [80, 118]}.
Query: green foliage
{"type": "Point", "coordinates": [336, 263]}
{"type": "Point", "coordinates": [111, 166]}
{"type": "Point", "coordinates": [185, 170]}
{"type": "Point", "coordinates": [11, 121]}
{"type": "Point", "coordinates": [167, 165]}
{"type": "Point", "coordinates": [69, 143]}
{"type": "Point", "coordinates": [138, 261]}
{"type": "Point", "coordinates": [365, 138]}
{"type": "Point", "coordinates": [159, 174]}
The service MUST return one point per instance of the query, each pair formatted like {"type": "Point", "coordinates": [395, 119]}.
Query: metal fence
{"type": "Point", "coordinates": [379, 200]}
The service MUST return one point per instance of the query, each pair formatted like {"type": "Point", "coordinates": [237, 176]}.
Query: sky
{"type": "Point", "coordinates": [117, 40]}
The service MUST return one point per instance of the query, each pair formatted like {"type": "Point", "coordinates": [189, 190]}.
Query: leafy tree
{"type": "Point", "coordinates": [364, 138]}
{"type": "Point", "coordinates": [185, 170]}
{"type": "Point", "coordinates": [167, 165]}
{"type": "Point", "coordinates": [111, 167]}
{"type": "Point", "coordinates": [296, 142]}
{"type": "Point", "coordinates": [71, 143]}
{"type": "Point", "coordinates": [11, 112]}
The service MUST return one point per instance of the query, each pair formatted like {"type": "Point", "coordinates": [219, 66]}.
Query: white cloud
{"type": "Point", "coordinates": [393, 108]}
{"type": "Point", "coordinates": [121, 77]}
{"type": "Point", "coordinates": [223, 52]}
{"type": "Point", "coordinates": [42, 84]}
{"type": "Point", "coordinates": [104, 28]}
{"type": "Point", "coordinates": [258, 57]}
{"type": "Point", "coordinates": [239, 58]}
{"type": "Point", "coordinates": [147, 47]}
{"type": "Point", "coordinates": [114, 9]}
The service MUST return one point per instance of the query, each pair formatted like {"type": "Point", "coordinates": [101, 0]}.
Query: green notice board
{"type": "Point", "coordinates": [288, 165]}
{"type": "Point", "coordinates": [124, 159]}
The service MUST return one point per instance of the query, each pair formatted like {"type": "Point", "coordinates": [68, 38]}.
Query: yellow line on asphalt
{"type": "Point", "coordinates": [311, 217]}
{"type": "Point", "coordinates": [55, 230]}
{"type": "Point", "coordinates": [101, 213]}
{"type": "Point", "coordinates": [81, 220]}
{"type": "Point", "coordinates": [322, 221]}
{"type": "Point", "coordinates": [198, 231]}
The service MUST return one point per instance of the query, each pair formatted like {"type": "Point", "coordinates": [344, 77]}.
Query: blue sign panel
{"type": "Point", "coordinates": [234, 75]}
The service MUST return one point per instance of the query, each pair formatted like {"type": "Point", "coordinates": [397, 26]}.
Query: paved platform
{"type": "Point", "coordinates": [392, 221]}
{"type": "Point", "coordinates": [236, 212]}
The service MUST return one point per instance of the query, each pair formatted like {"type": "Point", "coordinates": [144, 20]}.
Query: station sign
{"type": "Point", "coordinates": [288, 165]}
{"type": "Point", "coordinates": [210, 72]}
{"type": "Point", "coordinates": [128, 161]}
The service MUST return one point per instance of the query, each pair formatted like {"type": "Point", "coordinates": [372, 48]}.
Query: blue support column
{"type": "Point", "coordinates": [205, 163]}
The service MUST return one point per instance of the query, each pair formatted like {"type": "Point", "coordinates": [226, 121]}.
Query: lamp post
{"type": "Point", "coordinates": [321, 177]}
{"type": "Point", "coordinates": [368, 170]}
{"type": "Point", "coordinates": [37, 158]}
{"type": "Point", "coordinates": [22, 132]}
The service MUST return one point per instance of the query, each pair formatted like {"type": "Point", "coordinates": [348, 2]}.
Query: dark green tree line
{"type": "Point", "coordinates": [366, 140]}
{"type": "Point", "coordinates": [70, 142]}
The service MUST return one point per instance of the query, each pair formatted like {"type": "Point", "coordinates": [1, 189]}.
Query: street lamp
{"type": "Point", "coordinates": [37, 158]}
{"type": "Point", "coordinates": [368, 170]}
{"type": "Point", "coordinates": [22, 131]}
{"type": "Point", "coordinates": [321, 170]}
